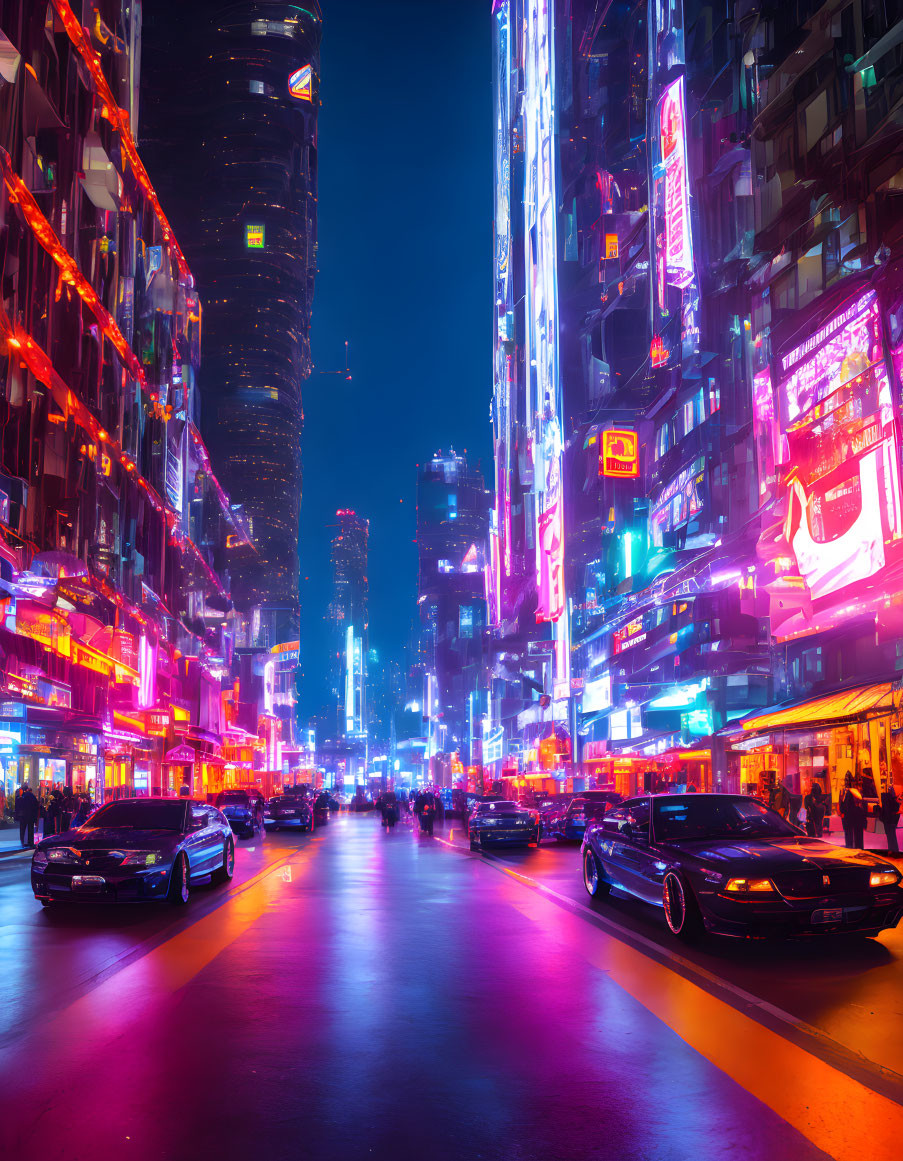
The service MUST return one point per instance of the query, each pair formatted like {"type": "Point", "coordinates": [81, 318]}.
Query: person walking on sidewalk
{"type": "Point", "coordinates": [27, 814]}
{"type": "Point", "coordinates": [852, 814]}
{"type": "Point", "coordinates": [814, 803]}
{"type": "Point", "coordinates": [889, 812]}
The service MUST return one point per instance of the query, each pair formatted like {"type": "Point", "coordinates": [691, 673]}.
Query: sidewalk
{"type": "Point", "coordinates": [9, 842]}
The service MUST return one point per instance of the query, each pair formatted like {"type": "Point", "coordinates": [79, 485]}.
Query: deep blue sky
{"type": "Point", "coordinates": [405, 249]}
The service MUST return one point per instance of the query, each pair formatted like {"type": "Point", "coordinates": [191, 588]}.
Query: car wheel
{"type": "Point", "coordinates": [682, 912]}
{"type": "Point", "coordinates": [178, 882]}
{"type": "Point", "coordinates": [474, 846]}
{"type": "Point", "coordinates": [596, 886]}
{"type": "Point", "coordinates": [224, 873]}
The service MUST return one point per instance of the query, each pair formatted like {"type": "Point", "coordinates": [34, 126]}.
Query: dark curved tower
{"type": "Point", "coordinates": [243, 132]}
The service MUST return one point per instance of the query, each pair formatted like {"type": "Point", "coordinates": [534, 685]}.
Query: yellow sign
{"type": "Point", "coordinates": [611, 246]}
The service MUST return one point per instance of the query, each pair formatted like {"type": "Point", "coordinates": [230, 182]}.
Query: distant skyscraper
{"type": "Point", "coordinates": [348, 618]}
{"type": "Point", "coordinates": [235, 146]}
{"type": "Point", "coordinates": [452, 539]}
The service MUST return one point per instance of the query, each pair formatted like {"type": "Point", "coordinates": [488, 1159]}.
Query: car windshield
{"type": "Point", "coordinates": [486, 807]}
{"type": "Point", "coordinates": [293, 800]}
{"type": "Point", "coordinates": [232, 796]}
{"type": "Point", "coordinates": [701, 816]}
{"type": "Point", "coordinates": [139, 814]}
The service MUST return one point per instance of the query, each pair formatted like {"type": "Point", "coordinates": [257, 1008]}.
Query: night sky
{"type": "Point", "coordinates": [405, 250]}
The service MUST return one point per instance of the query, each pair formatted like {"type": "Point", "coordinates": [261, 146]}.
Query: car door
{"type": "Point", "coordinates": [203, 845]}
{"type": "Point", "coordinates": [644, 866]}
{"type": "Point", "coordinates": [609, 842]}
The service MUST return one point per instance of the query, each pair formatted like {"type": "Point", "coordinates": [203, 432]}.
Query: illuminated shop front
{"type": "Point", "coordinates": [858, 732]}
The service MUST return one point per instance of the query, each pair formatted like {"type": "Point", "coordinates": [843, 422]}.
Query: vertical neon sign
{"type": "Point", "coordinates": [543, 397]}
{"type": "Point", "coordinates": [349, 679]}
{"type": "Point", "coordinates": [673, 136]}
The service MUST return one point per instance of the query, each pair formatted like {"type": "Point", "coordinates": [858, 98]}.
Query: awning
{"type": "Point", "coordinates": [849, 704]}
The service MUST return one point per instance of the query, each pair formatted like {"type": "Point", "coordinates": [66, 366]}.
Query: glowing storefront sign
{"type": "Point", "coordinates": [255, 236]}
{"type": "Point", "coordinates": [673, 137]}
{"type": "Point", "coordinates": [620, 454]}
{"type": "Point", "coordinates": [301, 83]}
{"type": "Point", "coordinates": [597, 695]}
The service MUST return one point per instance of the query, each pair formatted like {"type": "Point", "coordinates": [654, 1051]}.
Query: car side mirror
{"type": "Point", "coordinates": [197, 824]}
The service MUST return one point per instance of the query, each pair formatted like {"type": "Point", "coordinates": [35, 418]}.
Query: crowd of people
{"type": "Point", "coordinates": [52, 812]}
{"type": "Point", "coordinates": [852, 806]}
{"type": "Point", "coordinates": [424, 805]}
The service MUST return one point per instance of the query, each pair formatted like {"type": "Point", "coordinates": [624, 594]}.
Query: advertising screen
{"type": "Point", "coordinates": [841, 475]}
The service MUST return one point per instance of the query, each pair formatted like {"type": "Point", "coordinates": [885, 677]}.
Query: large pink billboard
{"type": "Point", "coordinates": [840, 462]}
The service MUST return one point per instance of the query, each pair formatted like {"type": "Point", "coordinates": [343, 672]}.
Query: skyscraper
{"type": "Point", "coordinates": [348, 618]}
{"type": "Point", "coordinates": [244, 129]}
{"type": "Point", "coordinates": [452, 531]}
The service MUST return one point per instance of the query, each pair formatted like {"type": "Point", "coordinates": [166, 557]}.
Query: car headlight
{"type": "Point", "coordinates": [141, 859]}
{"type": "Point", "coordinates": [750, 886]}
{"type": "Point", "coordinates": [884, 878]}
{"type": "Point", "coordinates": [62, 855]}
{"type": "Point", "coordinates": [39, 859]}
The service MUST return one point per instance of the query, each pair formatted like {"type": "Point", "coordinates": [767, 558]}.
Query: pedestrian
{"type": "Point", "coordinates": [27, 811]}
{"type": "Point", "coordinates": [781, 800]}
{"type": "Point", "coordinates": [52, 813]}
{"type": "Point", "coordinates": [852, 814]}
{"type": "Point", "coordinates": [889, 813]}
{"type": "Point", "coordinates": [814, 803]}
{"type": "Point", "coordinates": [67, 809]}
{"type": "Point", "coordinates": [81, 814]}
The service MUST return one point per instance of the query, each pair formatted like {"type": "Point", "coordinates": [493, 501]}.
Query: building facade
{"type": "Point", "coordinates": [345, 745]}
{"type": "Point", "coordinates": [696, 391]}
{"type": "Point", "coordinates": [116, 538]}
{"type": "Point", "coordinates": [244, 123]}
{"type": "Point", "coordinates": [452, 542]}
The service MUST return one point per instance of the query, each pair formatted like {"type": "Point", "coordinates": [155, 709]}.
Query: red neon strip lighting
{"type": "Point", "coordinates": [19, 194]}
{"type": "Point", "coordinates": [119, 119]}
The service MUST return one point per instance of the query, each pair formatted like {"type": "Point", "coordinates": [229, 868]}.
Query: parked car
{"type": "Point", "coordinates": [135, 849]}
{"type": "Point", "coordinates": [289, 810]}
{"type": "Point", "coordinates": [570, 824]}
{"type": "Point", "coordinates": [727, 864]}
{"type": "Point", "coordinates": [502, 823]}
{"type": "Point", "coordinates": [244, 810]}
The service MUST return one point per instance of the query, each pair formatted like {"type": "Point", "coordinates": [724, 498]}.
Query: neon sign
{"type": "Point", "coordinates": [255, 237]}
{"type": "Point", "coordinates": [620, 454]}
{"type": "Point", "coordinates": [301, 83]}
{"type": "Point", "coordinates": [839, 452]}
{"type": "Point", "coordinates": [673, 138]}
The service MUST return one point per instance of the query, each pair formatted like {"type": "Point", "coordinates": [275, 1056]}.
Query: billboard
{"type": "Point", "coordinates": [619, 454]}
{"type": "Point", "coordinates": [301, 83]}
{"type": "Point", "coordinates": [673, 145]}
{"type": "Point", "coordinates": [840, 463]}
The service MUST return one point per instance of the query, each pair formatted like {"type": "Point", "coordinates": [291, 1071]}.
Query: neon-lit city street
{"type": "Point", "coordinates": [451, 580]}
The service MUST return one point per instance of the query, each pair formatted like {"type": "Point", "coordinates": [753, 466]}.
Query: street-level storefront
{"type": "Point", "coordinates": [857, 731]}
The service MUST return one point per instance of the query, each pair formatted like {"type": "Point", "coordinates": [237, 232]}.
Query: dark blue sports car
{"type": "Point", "coordinates": [727, 864]}
{"type": "Point", "coordinates": [135, 849]}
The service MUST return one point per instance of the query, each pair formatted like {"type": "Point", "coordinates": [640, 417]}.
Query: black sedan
{"type": "Point", "coordinates": [135, 849]}
{"type": "Point", "coordinates": [502, 823]}
{"type": "Point", "coordinates": [321, 809]}
{"type": "Point", "coordinates": [243, 809]}
{"type": "Point", "coordinates": [289, 810]}
{"type": "Point", "coordinates": [726, 864]}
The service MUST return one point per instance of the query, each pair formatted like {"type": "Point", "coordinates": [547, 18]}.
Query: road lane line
{"type": "Point", "coordinates": [825, 1102]}
{"type": "Point", "coordinates": [104, 1011]}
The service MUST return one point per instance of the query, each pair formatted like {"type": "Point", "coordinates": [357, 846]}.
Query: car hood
{"type": "Point", "coordinates": [767, 855]}
{"type": "Point", "coordinates": [105, 839]}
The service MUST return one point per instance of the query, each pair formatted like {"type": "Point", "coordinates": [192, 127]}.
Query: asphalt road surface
{"type": "Point", "coordinates": [354, 994]}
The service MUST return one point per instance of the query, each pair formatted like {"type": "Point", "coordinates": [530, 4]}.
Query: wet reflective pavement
{"type": "Point", "coordinates": [356, 994]}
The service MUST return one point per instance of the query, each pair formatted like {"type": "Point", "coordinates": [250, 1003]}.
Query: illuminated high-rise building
{"type": "Point", "coordinates": [235, 146]}
{"type": "Point", "coordinates": [348, 622]}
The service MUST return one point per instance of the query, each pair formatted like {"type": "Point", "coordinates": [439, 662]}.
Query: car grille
{"type": "Point", "coordinates": [810, 884]}
{"type": "Point", "coordinates": [98, 861]}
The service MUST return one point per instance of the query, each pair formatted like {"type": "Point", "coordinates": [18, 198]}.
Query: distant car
{"type": "Point", "coordinates": [727, 864]}
{"type": "Point", "coordinates": [570, 824]}
{"type": "Point", "coordinates": [135, 849]}
{"type": "Point", "coordinates": [289, 810]}
{"type": "Point", "coordinates": [243, 809]}
{"type": "Point", "coordinates": [361, 802]}
{"type": "Point", "coordinates": [503, 823]}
